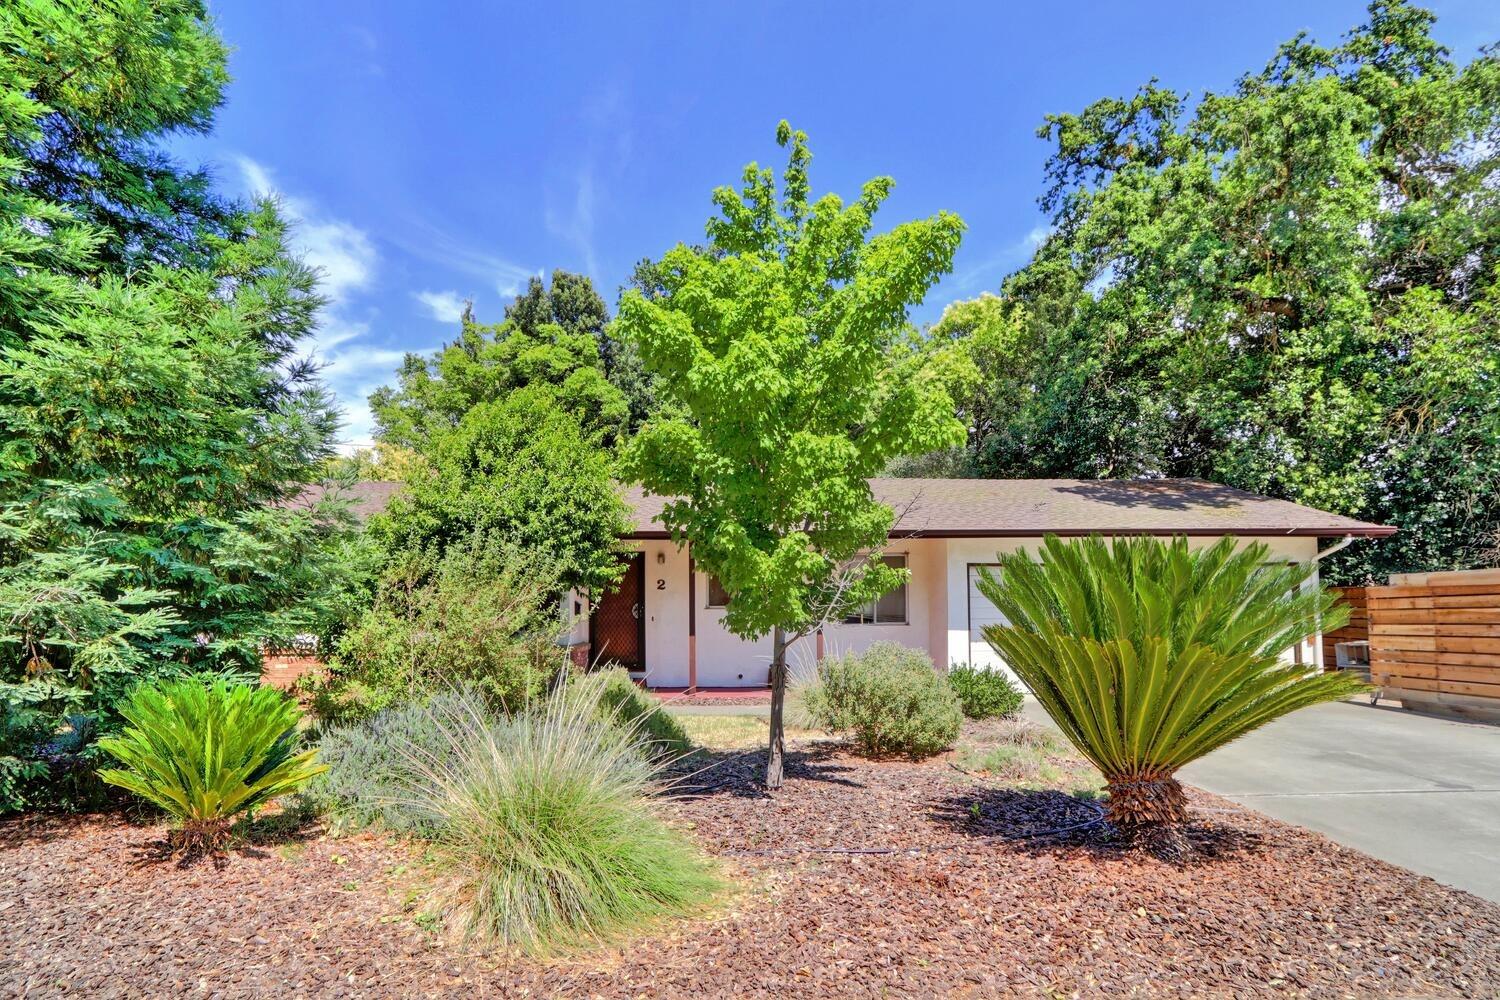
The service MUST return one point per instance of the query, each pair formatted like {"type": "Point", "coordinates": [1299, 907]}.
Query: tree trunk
{"type": "Point", "coordinates": [1150, 810]}
{"type": "Point", "coordinates": [774, 759]}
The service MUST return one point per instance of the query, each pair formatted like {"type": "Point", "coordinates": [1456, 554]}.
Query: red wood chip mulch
{"type": "Point", "coordinates": [974, 896]}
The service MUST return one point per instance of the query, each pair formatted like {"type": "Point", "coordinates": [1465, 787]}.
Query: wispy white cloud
{"type": "Point", "coordinates": [995, 266]}
{"type": "Point", "coordinates": [432, 244]}
{"type": "Point", "coordinates": [368, 45]}
{"type": "Point", "coordinates": [354, 376]}
{"type": "Point", "coordinates": [609, 146]}
{"type": "Point", "coordinates": [576, 225]}
{"type": "Point", "coordinates": [445, 307]}
{"type": "Point", "coordinates": [342, 252]}
{"type": "Point", "coordinates": [347, 261]}
{"type": "Point", "coordinates": [256, 178]}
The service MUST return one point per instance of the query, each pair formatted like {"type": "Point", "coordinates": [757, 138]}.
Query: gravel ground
{"type": "Point", "coordinates": [961, 888]}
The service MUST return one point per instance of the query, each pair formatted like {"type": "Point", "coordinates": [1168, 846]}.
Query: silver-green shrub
{"type": "Point", "coordinates": [888, 699]}
{"type": "Point", "coordinates": [371, 764]}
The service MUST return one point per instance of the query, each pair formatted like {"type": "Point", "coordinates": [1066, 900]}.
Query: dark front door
{"type": "Point", "coordinates": [617, 628]}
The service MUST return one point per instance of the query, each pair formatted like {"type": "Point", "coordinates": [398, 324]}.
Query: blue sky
{"type": "Point", "coordinates": [443, 151]}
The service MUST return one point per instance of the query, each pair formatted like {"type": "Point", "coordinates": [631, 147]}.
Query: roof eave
{"type": "Point", "coordinates": [1360, 531]}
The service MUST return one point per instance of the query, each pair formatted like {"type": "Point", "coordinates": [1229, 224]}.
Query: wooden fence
{"type": "Point", "coordinates": [1358, 628]}
{"type": "Point", "coordinates": [1435, 640]}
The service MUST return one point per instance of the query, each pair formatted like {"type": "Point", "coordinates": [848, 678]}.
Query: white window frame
{"type": "Point", "coordinates": [866, 614]}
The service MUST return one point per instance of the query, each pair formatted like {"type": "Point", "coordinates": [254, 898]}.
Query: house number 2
{"type": "Point", "coordinates": [661, 585]}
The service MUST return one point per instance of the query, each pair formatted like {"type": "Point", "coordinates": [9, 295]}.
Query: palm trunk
{"type": "Point", "coordinates": [775, 758]}
{"type": "Point", "coordinates": [1150, 809]}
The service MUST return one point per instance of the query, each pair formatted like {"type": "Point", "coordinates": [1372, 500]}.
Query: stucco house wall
{"type": "Point", "coordinates": [942, 615]}
{"type": "Point", "coordinates": [963, 642]}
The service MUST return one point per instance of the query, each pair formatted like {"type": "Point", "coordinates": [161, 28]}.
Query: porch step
{"type": "Point", "coordinates": [713, 695]}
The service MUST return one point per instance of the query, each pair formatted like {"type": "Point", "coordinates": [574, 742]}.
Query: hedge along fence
{"type": "Point", "coordinates": [1358, 628]}
{"type": "Point", "coordinates": [1435, 641]}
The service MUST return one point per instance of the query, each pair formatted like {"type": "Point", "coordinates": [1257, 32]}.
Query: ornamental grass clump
{"type": "Point", "coordinates": [207, 752]}
{"type": "Point", "coordinates": [1148, 655]}
{"type": "Point", "coordinates": [888, 699]}
{"type": "Point", "coordinates": [544, 827]}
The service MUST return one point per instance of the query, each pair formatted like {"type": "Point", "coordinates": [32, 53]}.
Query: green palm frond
{"type": "Point", "coordinates": [206, 752]}
{"type": "Point", "coordinates": [1149, 654]}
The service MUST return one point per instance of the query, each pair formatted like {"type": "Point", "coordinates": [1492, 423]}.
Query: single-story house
{"type": "Point", "coordinates": [664, 621]}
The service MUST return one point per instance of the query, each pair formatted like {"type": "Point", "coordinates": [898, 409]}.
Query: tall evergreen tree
{"type": "Point", "coordinates": [107, 82]}
{"type": "Point", "coordinates": [549, 337]}
{"type": "Point", "coordinates": [156, 421]}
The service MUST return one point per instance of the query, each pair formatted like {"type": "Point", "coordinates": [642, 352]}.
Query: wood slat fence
{"type": "Point", "coordinates": [1357, 629]}
{"type": "Point", "coordinates": [1435, 640]}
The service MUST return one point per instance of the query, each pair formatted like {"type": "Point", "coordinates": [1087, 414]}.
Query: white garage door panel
{"type": "Point", "coordinates": [982, 613]}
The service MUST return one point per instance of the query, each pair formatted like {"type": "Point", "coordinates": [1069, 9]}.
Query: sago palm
{"type": "Point", "coordinates": [205, 753]}
{"type": "Point", "coordinates": [1149, 654]}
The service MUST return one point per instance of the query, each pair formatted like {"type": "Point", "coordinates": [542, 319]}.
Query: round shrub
{"type": "Point", "coordinates": [985, 694]}
{"type": "Point", "coordinates": [625, 705]}
{"type": "Point", "coordinates": [888, 699]}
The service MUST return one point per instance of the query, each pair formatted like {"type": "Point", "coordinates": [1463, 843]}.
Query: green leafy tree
{"type": "Point", "coordinates": [1148, 655]}
{"type": "Point", "coordinates": [571, 303]}
{"type": "Point", "coordinates": [777, 343]}
{"type": "Point", "coordinates": [1290, 288]}
{"type": "Point", "coordinates": [522, 469]}
{"type": "Point", "coordinates": [549, 337]}
{"type": "Point", "coordinates": [155, 417]}
{"type": "Point", "coordinates": [384, 462]}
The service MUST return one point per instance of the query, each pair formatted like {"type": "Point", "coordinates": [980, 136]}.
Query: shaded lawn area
{"type": "Point", "coordinates": [971, 893]}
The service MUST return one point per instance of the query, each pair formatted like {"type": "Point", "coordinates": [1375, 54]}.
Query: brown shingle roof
{"type": "Point", "coordinates": [366, 497]}
{"type": "Point", "coordinates": [982, 508]}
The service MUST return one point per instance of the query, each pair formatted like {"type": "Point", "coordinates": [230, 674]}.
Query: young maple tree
{"type": "Point", "coordinates": [778, 343]}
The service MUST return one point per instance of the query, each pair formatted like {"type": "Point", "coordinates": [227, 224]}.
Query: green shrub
{"type": "Point", "coordinates": [985, 694]}
{"type": "Point", "coordinates": [369, 763]}
{"type": "Point", "coordinates": [624, 704]}
{"type": "Point", "coordinates": [484, 614]}
{"type": "Point", "coordinates": [544, 823]}
{"type": "Point", "coordinates": [889, 699]}
{"type": "Point", "coordinates": [60, 767]}
{"type": "Point", "coordinates": [23, 771]}
{"type": "Point", "coordinates": [205, 753]}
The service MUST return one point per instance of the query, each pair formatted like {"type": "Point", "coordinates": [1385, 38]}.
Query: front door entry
{"type": "Point", "coordinates": [617, 628]}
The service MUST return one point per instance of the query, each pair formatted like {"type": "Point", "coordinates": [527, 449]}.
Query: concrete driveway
{"type": "Point", "coordinates": [1418, 791]}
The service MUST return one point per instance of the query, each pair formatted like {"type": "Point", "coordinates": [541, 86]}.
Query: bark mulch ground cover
{"type": "Point", "coordinates": [858, 879]}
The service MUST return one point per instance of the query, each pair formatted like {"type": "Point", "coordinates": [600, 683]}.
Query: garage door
{"type": "Point", "coordinates": [982, 613]}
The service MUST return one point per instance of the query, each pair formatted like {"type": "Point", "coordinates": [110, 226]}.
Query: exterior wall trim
{"type": "Point", "coordinates": [1381, 532]}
